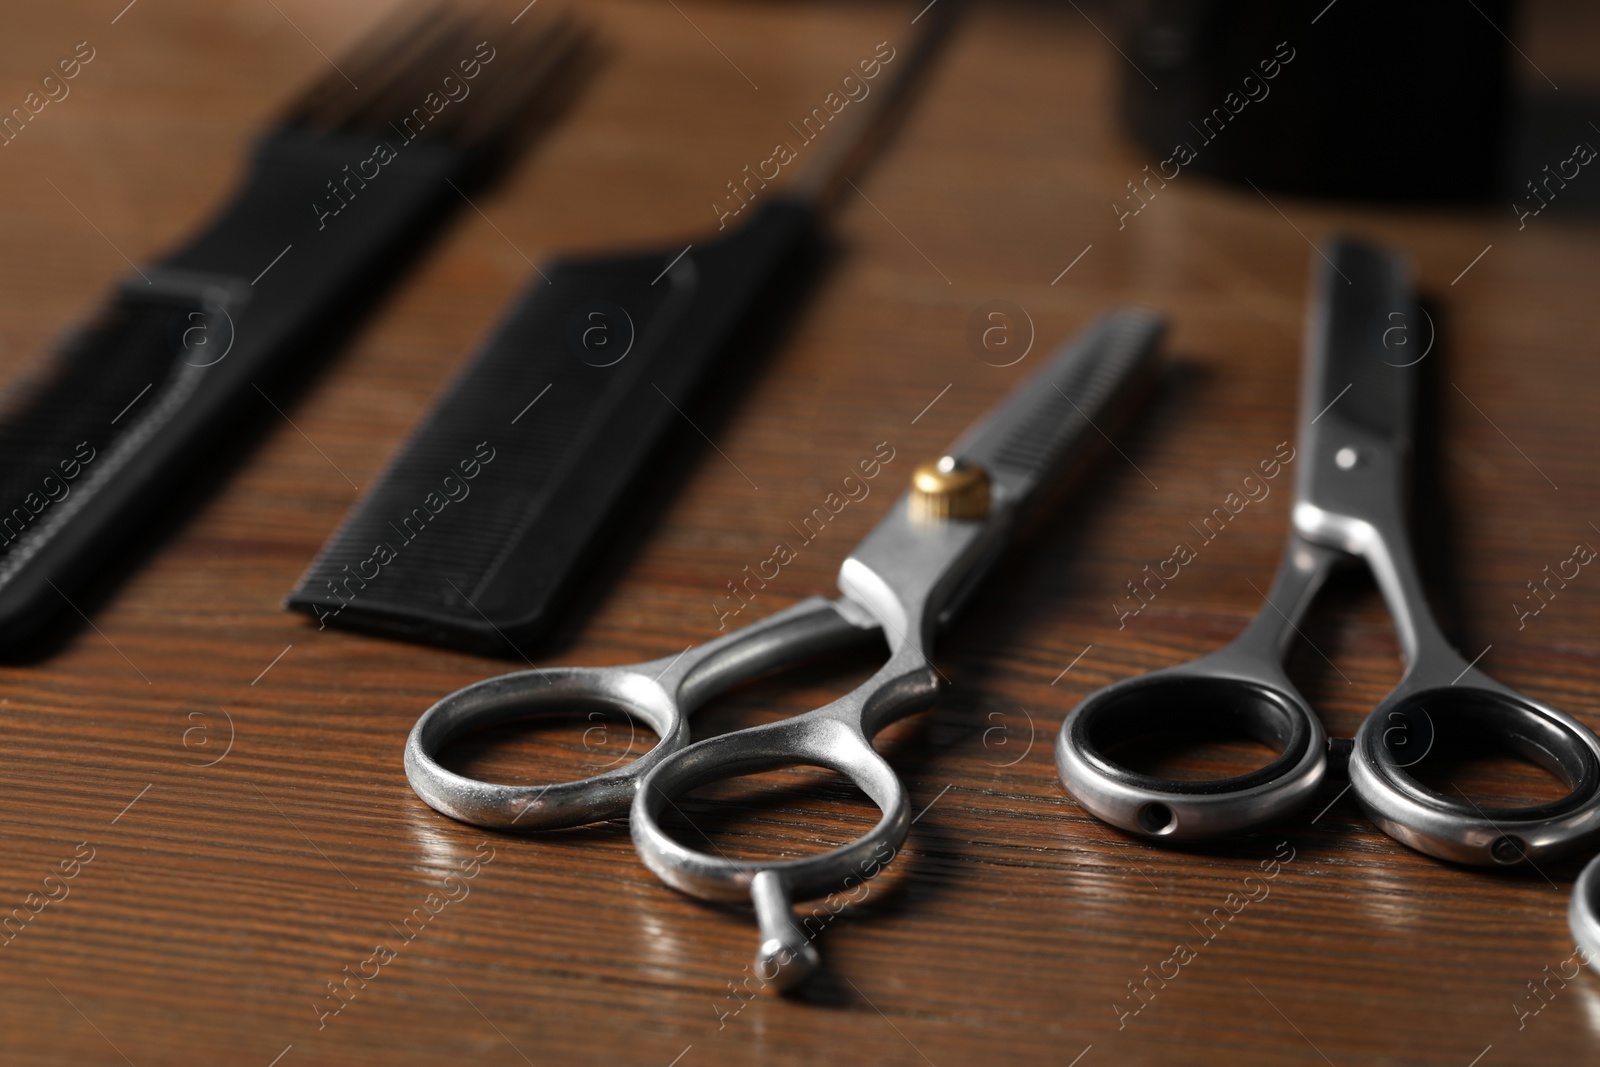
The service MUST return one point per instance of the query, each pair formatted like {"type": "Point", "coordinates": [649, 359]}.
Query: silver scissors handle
{"type": "Point", "coordinates": [1240, 688]}
{"type": "Point", "coordinates": [905, 573]}
{"type": "Point", "coordinates": [1356, 421]}
{"type": "Point", "coordinates": [663, 693]}
{"type": "Point", "coordinates": [838, 737]}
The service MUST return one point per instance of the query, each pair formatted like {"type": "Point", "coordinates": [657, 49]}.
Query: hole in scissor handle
{"type": "Point", "coordinates": [1509, 850]}
{"type": "Point", "coordinates": [1157, 819]}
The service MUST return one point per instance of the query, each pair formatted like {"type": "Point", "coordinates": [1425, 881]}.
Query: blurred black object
{"type": "Point", "coordinates": [1355, 99]}
{"type": "Point", "coordinates": [572, 488]}
{"type": "Point", "coordinates": [95, 461]}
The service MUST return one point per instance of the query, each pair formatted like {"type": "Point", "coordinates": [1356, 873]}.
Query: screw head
{"type": "Point", "coordinates": [949, 488]}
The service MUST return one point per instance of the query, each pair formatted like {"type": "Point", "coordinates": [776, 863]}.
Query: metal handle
{"type": "Point", "coordinates": [838, 737]}
{"type": "Point", "coordinates": [1240, 687]}
{"type": "Point", "coordinates": [1416, 720]}
{"type": "Point", "coordinates": [663, 693]}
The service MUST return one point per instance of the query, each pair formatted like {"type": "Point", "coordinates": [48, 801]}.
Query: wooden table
{"type": "Point", "coordinates": [222, 899]}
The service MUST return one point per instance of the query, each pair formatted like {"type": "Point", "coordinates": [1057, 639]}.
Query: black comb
{"type": "Point", "coordinates": [487, 524]}
{"type": "Point", "coordinates": [339, 196]}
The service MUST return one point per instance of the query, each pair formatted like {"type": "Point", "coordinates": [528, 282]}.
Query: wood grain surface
{"type": "Point", "coordinates": [226, 887]}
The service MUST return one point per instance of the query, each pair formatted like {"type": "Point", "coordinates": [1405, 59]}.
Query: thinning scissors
{"type": "Point", "coordinates": [1355, 429]}
{"type": "Point", "coordinates": [900, 585]}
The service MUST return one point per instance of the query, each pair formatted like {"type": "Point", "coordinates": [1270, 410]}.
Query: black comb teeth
{"type": "Point", "coordinates": [406, 82]}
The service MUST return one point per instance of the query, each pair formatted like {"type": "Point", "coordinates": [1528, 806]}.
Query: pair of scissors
{"type": "Point", "coordinates": [898, 586]}
{"type": "Point", "coordinates": [1355, 429]}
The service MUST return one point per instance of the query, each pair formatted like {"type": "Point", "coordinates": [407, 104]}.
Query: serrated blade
{"type": "Point", "coordinates": [1058, 411]}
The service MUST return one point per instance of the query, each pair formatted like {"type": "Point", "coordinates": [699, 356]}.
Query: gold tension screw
{"type": "Point", "coordinates": [949, 488]}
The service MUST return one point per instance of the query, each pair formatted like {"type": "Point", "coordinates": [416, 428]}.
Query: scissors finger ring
{"type": "Point", "coordinates": [661, 693]}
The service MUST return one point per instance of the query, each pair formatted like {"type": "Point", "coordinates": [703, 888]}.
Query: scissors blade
{"type": "Point", "coordinates": [1023, 441]}
{"type": "Point", "coordinates": [1365, 341]}
{"type": "Point", "coordinates": [910, 575]}
{"type": "Point", "coordinates": [1365, 337]}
